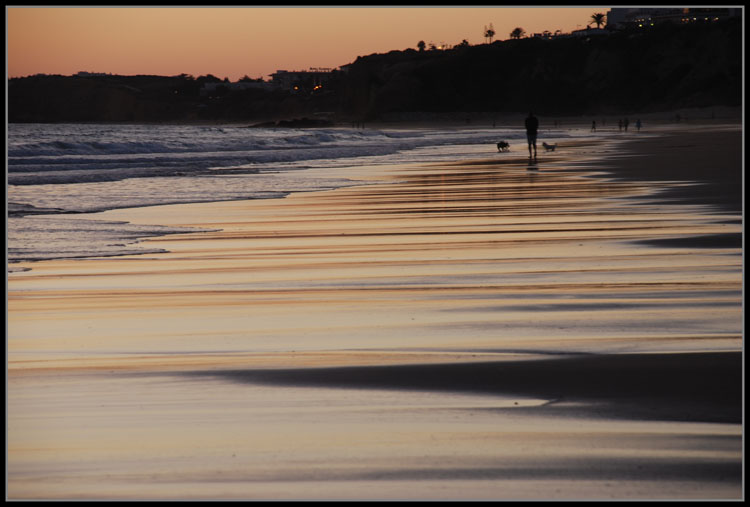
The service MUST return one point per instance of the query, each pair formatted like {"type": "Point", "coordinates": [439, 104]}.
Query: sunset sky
{"type": "Point", "coordinates": [237, 41]}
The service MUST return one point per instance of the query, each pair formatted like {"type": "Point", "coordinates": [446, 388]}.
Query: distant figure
{"type": "Point", "coordinates": [593, 126]}
{"type": "Point", "coordinates": [619, 125]}
{"type": "Point", "coordinates": [532, 125]}
{"type": "Point", "coordinates": [625, 124]}
{"type": "Point", "coordinates": [638, 124]}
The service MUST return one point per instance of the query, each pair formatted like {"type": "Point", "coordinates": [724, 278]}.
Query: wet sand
{"type": "Point", "coordinates": [565, 329]}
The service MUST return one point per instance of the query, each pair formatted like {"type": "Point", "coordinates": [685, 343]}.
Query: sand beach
{"type": "Point", "coordinates": [564, 328]}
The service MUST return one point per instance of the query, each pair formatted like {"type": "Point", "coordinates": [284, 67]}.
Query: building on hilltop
{"type": "Point", "coordinates": [306, 80]}
{"type": "Point", "coordinates": [586, 32]}
{"type": "Point", "coordinates": [621, 17]}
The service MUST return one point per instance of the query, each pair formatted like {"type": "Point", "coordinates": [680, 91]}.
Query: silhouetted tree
{"type": "Point", "coordinates": [463, 43]}
{"type": "Point", "coordinates": [517, 33]}
{"type": "Point", "coordinates": [209, 78]}
{"type": "Point", "coordinates": [489, 33]}
{"type": "Point", "coordinates": [598, 18]}
{"type": "Point", "coordinates": [421, 45]}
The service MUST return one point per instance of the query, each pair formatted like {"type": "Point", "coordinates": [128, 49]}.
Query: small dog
{"type": "Point", "coordinates": [549, 147]}
{"type": "Point", "coordinates": [503, 146]}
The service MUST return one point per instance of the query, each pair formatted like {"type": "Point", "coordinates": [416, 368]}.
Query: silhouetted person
{"type": "Point", "coordinates": [593, 126]}
{"type": "Point", "coordinates": [532, 125]}
{"type": "Point", "coordinates": [638, 124]}
{"type": "Point", "coordinates": [625, 124]}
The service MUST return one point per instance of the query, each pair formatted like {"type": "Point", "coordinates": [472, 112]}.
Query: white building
{"type": "Point", "coordinates": [315, 77]}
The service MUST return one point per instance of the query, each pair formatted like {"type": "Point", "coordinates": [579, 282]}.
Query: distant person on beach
{"type": "Point", "coordinates": [593, 126]}
{"type": "Point", "coordinates": [625, 124]}
{"type": "Point", "coordinates": [638, 124]}
{"type": "Point", "coordinates": [532, 125]}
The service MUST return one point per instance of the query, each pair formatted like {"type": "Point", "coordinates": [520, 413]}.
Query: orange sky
{"type": "Point", "coordinates": [234, 41]}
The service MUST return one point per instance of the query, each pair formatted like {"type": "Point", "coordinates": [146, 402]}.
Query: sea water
{"type": "Point", "coordinates": [54, 170]}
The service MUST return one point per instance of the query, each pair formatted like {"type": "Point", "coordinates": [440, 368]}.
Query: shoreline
{"type": "Point", "coordinates": [486, 330]}
{"type": "Point", "coordinates": [688, 115]}
{"type": "Point", "coordinates": [706, 191]}
{"type": "Point", "coordinates": [608, 165]}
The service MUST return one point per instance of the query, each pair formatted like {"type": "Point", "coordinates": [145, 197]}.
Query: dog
{"type": "Point", "coordinates": [503, 146]}
{"type": "Point", "coordinates": [549, 147]}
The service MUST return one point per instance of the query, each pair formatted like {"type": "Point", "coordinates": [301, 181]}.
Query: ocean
{"type": "Point", "coordinates": [55, 170]}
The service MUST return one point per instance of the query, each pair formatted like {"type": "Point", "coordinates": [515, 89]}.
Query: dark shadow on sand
{"type": "Point", "coordinates": [710, 158]}
{"type": "Point", "coordinates": [729, 240]}
{"type": "Point", "coordinates": [662, 386]}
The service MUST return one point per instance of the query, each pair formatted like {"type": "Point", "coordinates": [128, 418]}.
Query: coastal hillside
{"type": "Point", "coordinates": [665, 67]}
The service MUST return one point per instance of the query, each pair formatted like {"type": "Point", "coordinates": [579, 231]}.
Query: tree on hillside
{"type": "Point", "coordinates": [489, 33]}
{"type": "Point", "coordinates": [517, 33]}
{"type": "Point", "coordinates": [421, 45]}
{"type": "Point", "coordinates": [463, 43]}
{"type": "Point", "coordinates": [598, 18]}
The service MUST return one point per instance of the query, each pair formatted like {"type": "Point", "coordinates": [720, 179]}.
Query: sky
{"type": "Point", "coordinates": [235, 42]}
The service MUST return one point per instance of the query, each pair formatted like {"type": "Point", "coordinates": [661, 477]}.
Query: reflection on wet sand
{"type": "Point", "coordinates": [487, 330]}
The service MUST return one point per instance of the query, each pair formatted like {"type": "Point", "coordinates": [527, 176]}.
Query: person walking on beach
{"type": "Point", "coordinates": [626, 123]}
{"type": "Point", "coordinates": [593, 126]}
{"type": "Point", "coordinates": [638, 124]}
{"type": "Point", "coordinates": [532, 124]}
